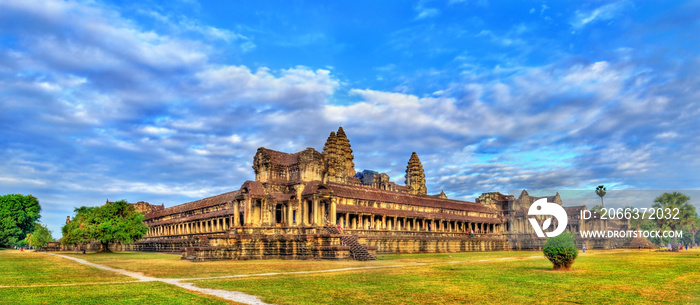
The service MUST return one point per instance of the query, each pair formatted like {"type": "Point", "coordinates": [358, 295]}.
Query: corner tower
{"type": "Point", "coordinates": [415, 177]}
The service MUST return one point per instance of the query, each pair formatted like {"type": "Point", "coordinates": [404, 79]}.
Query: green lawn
{"type": "Point", "coordinates": [621, 277]}
{"type": "Point", "coordinates": [130, 293]}
{"type": "Point", "coordinates": [55, 280]}
{"type": "Point", "coordinates": [29, 268]}
{"type": "Point", "coordinates": [171, 266]}
{"type": "Point", "coordinates": [601, 277]}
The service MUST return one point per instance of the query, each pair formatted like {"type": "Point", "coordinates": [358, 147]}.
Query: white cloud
{"type": "Point", "coordinates": [427, 13]}
{"type": "Point", "coordinates": [602, 13]}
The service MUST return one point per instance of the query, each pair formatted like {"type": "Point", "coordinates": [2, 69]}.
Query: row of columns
{"type": "Point", "coordinates": [317, 211]}
{"type": "Point", "coordinates": [219, 224]}
{"type": "Point", "coordinates": [395, 223]}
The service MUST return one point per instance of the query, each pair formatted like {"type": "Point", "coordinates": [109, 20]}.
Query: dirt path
{"type": "Point", "coordinates": [224, 294]}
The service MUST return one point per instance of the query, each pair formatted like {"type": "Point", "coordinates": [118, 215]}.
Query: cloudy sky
{"type": "Point", "coordinates": [167, 102]}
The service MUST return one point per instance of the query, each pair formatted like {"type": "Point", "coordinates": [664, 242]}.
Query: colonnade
{"type": "Point", "coordinates": [315, 211]}
{"type": "Point", "coordinates": [359, 221]}
{"type": "Point", "coordinates": [213, 225]}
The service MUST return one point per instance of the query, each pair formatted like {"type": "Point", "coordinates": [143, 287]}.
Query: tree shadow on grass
{"type": "Point", "coordinates": [552, 270]}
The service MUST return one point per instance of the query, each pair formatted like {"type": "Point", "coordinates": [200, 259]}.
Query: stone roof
{"type": "Point", "coordinates": [368, 193]}
{"type": "Point", "coordinates": [219, 213]}
{"type": "Point", "coordinates": [311, 188]}
{"type": "Point", "coordinates": [574, 210]}
{"type": "Point", "coordinates": [194, 205]}
{"type": "Point", "coordinates": [255, 188]}
{"type": "Point", "coordinates": [414, 214]}
{"type": "Point", "coordinates": [281, 197]}
{"type": "Point", "coordinates": [281, 158]}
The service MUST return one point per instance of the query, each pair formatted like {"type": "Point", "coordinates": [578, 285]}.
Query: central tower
{"type": "Point", "coordinates": [338, 158]}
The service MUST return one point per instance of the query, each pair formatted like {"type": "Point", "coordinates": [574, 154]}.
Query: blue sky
{"type": "Point", "coordinates": [167, 102]}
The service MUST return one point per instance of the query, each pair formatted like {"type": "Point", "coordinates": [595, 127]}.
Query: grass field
{"type": "Point", "coordinates": [31, 268]}
{"type": "Point", "coordinates": [171, 266]}
{"type": "Point", "coordinates": [624, 277]}
{"type": "Point", "coordinates": [603, 277]}
{"type": "Point", "coordinates": [129, 293]}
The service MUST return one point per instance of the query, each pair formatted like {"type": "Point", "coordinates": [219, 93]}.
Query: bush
{"type": "Point", "coordinates": [561, 251]}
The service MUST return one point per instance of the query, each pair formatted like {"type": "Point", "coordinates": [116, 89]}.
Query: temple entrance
{"type": "Point", "coordinates": [279, 214]}
{"type": "Point", "coordinates": [310, 212]}
{"type": "Point", "coordinates": [326, 212]}
{"type": "Point", "coordinates": [241, 219]}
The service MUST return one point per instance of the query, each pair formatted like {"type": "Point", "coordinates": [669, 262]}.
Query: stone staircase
{"type": "Point", "coordinates": [357, 250]}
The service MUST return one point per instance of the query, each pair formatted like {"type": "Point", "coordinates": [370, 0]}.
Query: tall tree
{"type": "Point", "coordinates": [113, 222]}
{"type": "Point", "coordinates": [600, 191]}
{"type": "Point", "coordinates": [17, 216]}
{"type": "Point", "coordinates": [693, 227]}
{"type": "Point", "coordinates": [675, 200]}
{"type": "Point", "coordinates": [40, 237]}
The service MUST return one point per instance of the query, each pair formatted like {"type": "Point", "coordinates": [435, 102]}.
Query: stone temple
{"type": "Point", "coordinates": [312, 204]}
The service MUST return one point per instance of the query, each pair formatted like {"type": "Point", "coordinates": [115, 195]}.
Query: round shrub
{"type": "Point", "coordinates": [561, 251]}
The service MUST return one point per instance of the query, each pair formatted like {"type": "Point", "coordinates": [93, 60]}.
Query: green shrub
{"type": "Point", "coordinates": [561, 251]}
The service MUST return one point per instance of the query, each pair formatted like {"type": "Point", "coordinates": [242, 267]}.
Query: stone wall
{"type": "Point", "coordinates": [245, 246]}
{"type": "Point", "coordinates": [403, 244]}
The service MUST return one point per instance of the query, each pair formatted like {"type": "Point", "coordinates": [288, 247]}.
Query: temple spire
{"type": "Point", "coordinates": [415, 176]}
{"type": "Point", "coordinates": [338, 156]}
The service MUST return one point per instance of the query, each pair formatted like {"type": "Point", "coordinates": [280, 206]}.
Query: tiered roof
{"type": "Point", "coordinates": [368, 193]}
{"type": "Point", "coordinates": [195, 205]}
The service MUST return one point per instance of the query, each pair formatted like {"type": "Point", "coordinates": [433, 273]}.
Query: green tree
{"type": "Point", "coordinates": [40, 237]}
{"type": "Point", "coordinates": [672, 201]}
{"type": "Point", "coordinates": [601, 191]}
{"type": "Point", "coordinates": [113, 222]}
{"type": "Point", "coordinates": [561, 251]}
{"type": "Point", "coordinates": [17, 216]}
{"type": "Point", "coordinates": [598, 209]}
{"type": "Point", "coordinates": [693, 227]}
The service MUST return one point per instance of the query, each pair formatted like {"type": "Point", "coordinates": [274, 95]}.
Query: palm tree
{"type": "Point", "coordinates": [600, 191]}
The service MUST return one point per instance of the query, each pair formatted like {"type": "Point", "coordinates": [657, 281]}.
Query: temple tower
{"type": "Point", "coordinates": [337, 153]}
{"type": "Point", "coordinates": [415, 177]}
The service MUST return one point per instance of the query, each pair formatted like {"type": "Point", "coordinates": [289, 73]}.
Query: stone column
{"type": "Point", "coordinates": [384, 222]}
{"type": "Point", "coordinates": [316, 212]}
{"type": "Point", "coordinates": [333, 211]}
{"type": "Point", "coordinates": [247, 218]}
{"type": "Point", "coordinates": [236, 214]}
